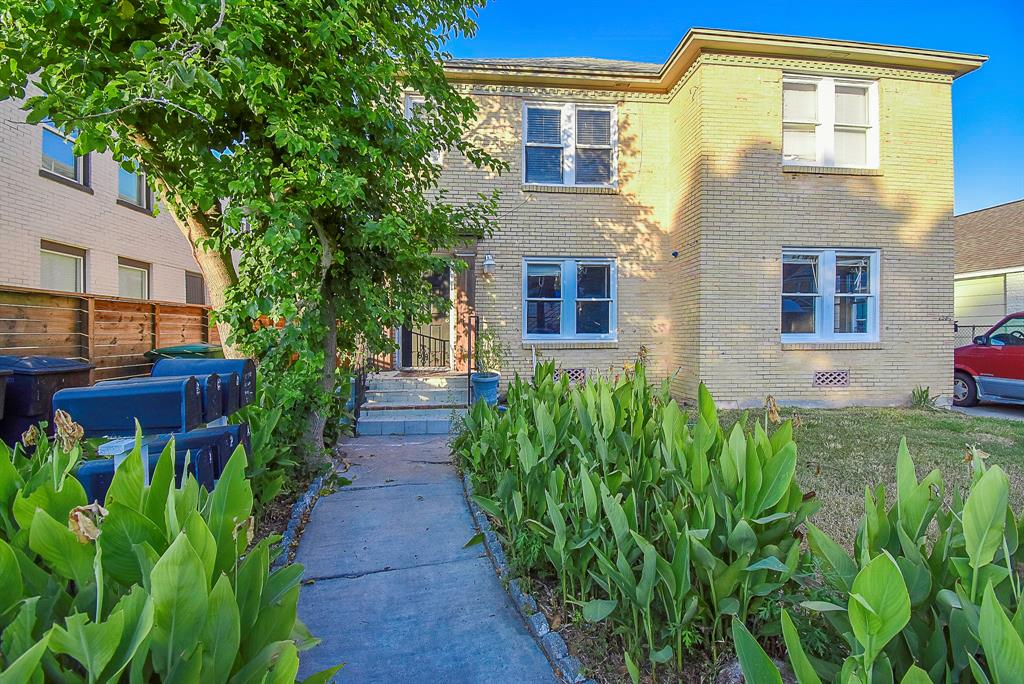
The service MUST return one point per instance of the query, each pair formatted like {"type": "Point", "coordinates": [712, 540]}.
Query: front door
{"type": "Point", "coordinates": [428, 345]}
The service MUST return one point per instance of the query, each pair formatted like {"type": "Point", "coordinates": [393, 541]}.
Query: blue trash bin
{"type": "Point", "coordinates": [96, 477]}
{"type": "Point", "coordinates": [245, 368]}
{"type": "Point", "coordinates": [110, 410]}
{"type": "Point", "coordinates": [210, 385]}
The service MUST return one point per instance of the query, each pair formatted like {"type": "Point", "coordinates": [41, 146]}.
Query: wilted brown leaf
{"type": "Point", "coordinates": [84, 521]}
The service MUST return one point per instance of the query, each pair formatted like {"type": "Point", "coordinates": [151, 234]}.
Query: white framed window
{"type": "Point", "coordinates": [414, 107]}
{"type": "Point", "coordinates": [61, 267]}
{"type": "Point", "coordinates": [570, 144]}
{"type": "Point", "coordinates": [830, 295]}
{"type": "Point", "coordinates": [569, 299]}
{"type": "Point", "coordinates": [58, 155]}
{"type": "Point", "coordinates": [132, 278]}
{"type": "Point", "coordinates": [829, 122]}
{"type": "Point", "coordinates": [133, 189]}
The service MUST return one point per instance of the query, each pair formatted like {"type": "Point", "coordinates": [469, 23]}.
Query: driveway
{"type": "Point", "coordinates": [992, 411]}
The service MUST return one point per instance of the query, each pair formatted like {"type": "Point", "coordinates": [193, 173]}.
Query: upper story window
{"type": "Point", "coordinates": [59, 156]}
{"type": "Point", "coordinates": [132, 189]}
{"type": "Point", "coordinates": [829, 122]}
{"type": "Point", "coordinates": [569, 299]}
{"type": "Point", "coordinates": [61, 267]}
{"type": "Point", "coordinates": [415, 107]}
{"type": "Point", "coordinates": [569, 144]}
{"type": "Point", "coordinates": [829, 295]}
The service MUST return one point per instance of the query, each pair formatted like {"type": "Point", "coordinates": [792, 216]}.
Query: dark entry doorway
{"type": "Point", "coordinates": [428, 345]}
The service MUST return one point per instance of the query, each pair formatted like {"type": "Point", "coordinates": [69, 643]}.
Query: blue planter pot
{"type": "Point", "coordinates": [485, 386]}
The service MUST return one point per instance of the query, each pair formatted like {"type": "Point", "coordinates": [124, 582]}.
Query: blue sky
{"type": "Point", "coordinates": [988, 105]}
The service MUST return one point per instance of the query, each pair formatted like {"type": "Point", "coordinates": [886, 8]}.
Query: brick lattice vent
{"type": "Point", "coordinates": [577, 376]}
{"type": "Point", "coordinates": [832, 378]}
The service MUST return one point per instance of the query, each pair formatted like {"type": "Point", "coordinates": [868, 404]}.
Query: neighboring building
{"type": "Point", "coordinates": [84, 224]}
{"type": "Point", "coordinates": [989, 266]}
{"type": "Point", "coordinates": [768, 214]}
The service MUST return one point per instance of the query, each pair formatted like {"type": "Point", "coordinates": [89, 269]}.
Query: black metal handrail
{"type": "Point", "coordinates": [429, 351]}
{"type": "Point", "coordinates": [472, 333]}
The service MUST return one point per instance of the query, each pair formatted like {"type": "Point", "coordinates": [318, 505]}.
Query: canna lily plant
{"type": "Point", "coordinates": [157, 584]}
{"type": "Point", "coordinates": [661, 523]}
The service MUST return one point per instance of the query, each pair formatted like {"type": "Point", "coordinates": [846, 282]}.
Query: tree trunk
{"type": "Point", "coordinates": [217, 267]}
{"type": "Point", "coordinates": [318, 418]}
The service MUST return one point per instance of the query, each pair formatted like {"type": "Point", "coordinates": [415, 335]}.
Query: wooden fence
{"type": "Point", "coordinates": [112, 333]}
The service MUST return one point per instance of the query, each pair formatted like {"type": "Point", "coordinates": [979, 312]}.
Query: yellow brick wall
{"type": "Point", "coordinates": [700, 175]}
{"type": "Point", "coordinates": [751, 209]}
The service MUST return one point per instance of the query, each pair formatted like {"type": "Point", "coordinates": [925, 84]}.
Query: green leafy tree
{"type": "Point", "coordinates": [296, 111]}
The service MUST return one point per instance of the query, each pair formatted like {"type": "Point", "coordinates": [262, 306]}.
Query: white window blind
{"type": "Point", "coordinates": [60, 271]}
{"type": "Point", "coordinates": [830, 295]}
{"type": "Point", "coordinates": [569, 144]}
{"type": "Point", "coordinates": [829, 122]}
{"type": "Point", "coordinates": [569, 299]}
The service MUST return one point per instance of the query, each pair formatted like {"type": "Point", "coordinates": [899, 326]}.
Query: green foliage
{"type": "Point", "coordinates": [490, 352]}
{"type": "Point", "coordinates": [932, 592]}
{"type": "Point", "coordinates": [159, 585]}
{"type": "Point", "coordinates": [295, 110]}
{"type": "Point", "coordinates": [273, 443]}
{"type": "Point", "coordinates": [662, 526]}
{"type": "Point", "coordinates": [921, 398]}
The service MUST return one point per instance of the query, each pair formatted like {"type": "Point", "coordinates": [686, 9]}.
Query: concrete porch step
{"type": "Point", "coordinates": [382, 382]}
{"type": "Point", "coordinates": [407, 421]}
{"type": "Point", "coordinates": [414, 397]}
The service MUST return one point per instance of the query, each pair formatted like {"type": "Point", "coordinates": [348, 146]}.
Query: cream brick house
{"type": "Point", "coordinates": [767, 214]}
{"type": "Point", "coordinates": [83, 224]}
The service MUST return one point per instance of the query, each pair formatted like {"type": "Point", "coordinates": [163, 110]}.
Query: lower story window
{"type": "Point", "coordinates": [569, 299]}
{"type": "Point", "coordinates": [61, 267]}
{"type": "Point", "coordinates": [133, 278]}
{"type": "Point", "coordinates": [829, 295]}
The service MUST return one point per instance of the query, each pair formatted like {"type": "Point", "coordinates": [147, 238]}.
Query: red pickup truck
{"type": "Point", "coordinates": [992, 368]}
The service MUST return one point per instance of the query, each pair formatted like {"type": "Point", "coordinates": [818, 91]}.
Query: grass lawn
{"type": "Point", "coordinates": [840, 451]}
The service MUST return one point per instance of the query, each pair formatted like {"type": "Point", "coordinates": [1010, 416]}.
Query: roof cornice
{"type": "Point", "coordinates": [700, 40]}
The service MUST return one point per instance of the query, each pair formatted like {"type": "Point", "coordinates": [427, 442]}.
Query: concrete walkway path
{"type": "Point", "coordinates": [992, 411]}
{"type": "Point", "coordinates": [391, 591]}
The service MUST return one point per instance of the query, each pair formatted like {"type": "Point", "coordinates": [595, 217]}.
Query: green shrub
{"type": "Point", "coordinates": [932, 586]}
{"type": "Point", "coordinates": [666, 529]}
{"type": "Point", "coordinates": [158, 585]}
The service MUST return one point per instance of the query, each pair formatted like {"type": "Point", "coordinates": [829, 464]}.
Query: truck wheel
{"type": "Point", "coordinates": [965, 390]}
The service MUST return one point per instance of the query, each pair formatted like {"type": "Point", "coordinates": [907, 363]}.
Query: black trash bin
{"type": "Point", "coordinates": [32, 382]}
{"type": "Point", "coordinates": [3, 390]}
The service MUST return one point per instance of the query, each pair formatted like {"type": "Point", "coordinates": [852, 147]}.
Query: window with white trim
{"type": "Point", "coordinates": [59, 156]}
{"type": "Point", "coordinates": [415, 106]}
{"type": "Point", "coordinates": [829, 122]}
{"type": "Point", "coordinates": [569, 144]}
{"type": "Point", "coordinates": [569, 299]}
{"type": "Point", "coordinates": [133, 278]}
{"type": "Point", "coordinates": [829, 295]}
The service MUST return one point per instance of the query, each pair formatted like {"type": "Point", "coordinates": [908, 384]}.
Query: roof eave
{"type": "Point", "coordinates": [954, 64]}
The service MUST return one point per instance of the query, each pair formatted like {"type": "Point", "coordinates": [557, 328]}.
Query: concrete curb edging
{"type": "Point", "coordinates": [551, 642]}
{"type": "Point", "coordinates": [300, 509]}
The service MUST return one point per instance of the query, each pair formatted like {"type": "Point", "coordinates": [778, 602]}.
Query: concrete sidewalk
{"type": "Point", "coordinates": [392, 593]}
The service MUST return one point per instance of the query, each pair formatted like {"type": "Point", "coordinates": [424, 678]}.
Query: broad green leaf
{"type": "Point", "coordinates": [323, 676]}
{"type": "Point", "coordinates": [60, 548]}
{"type": "Point", "coordinates": [802, 668]}
{"type": "Point", "coordinates": [230, 506]}
{"type": "Point", "coordinates": [914, 675]}
{"type": "Point", "coordinates": [1004, 650]}
{"type": "Point", "coordinates": [742, 539]}
{"type": "Point", "coordinates": [137, 610]}
{"type": "Point", "coordinates": [203, 543]}
{"type": "Point", "coordinates": [90, 643]}
{"type": "Point", "coordinates": [222, 632]}
{"type": "Point", "coordinates": [180, 603]}
{"type": "Point", "coordinates": [880, 605]}
{"type": "Point", "coordinates": [126, 487]}
{"type": "Point", "coordinates": [631, 668]}
{"type": "Point", "coordinates": [477, 538]}
{"type": "Point", "coordinates": [598, 609]}
{"type": "Point", "coordinates": [778, 476]}
{"type": "Point", "coordinates": [11, 586]}
{"type": "Point", "coordinates": [755, 663]}
{"type": "Point", "coordinates": [835, 558]}
{"type": "Point", "coordinates": [123, 528]}
{"type": "Point", "coordinates": [769, 563]}
{"type": "Point", "coordinates": [25, 666]}
{"type": "Point", "coordinates": [984, 517]}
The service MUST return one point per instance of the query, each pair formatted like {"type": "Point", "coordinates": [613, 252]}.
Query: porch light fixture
{"type": "Point", "coordinates": [488, 265]}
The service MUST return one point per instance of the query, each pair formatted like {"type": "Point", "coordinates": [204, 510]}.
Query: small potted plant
{"type": "Point", "coordinates": [489, 356]}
